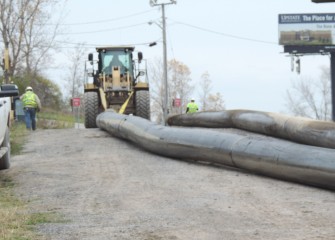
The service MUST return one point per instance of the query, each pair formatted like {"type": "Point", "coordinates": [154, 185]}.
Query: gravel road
{"type": "Point", "coordinates": [107, 188]}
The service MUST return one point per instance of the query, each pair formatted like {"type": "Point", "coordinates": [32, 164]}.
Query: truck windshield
{"type": "Point", "coordinates": [116, 58]}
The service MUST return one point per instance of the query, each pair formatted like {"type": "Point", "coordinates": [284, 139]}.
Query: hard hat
{"type": "Point", "coordinates": [29, 88]}
{"type": "Point", "coordinates": [192, 99]}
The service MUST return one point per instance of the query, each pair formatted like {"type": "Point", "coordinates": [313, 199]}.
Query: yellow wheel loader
{"type": "Point", "coordinates": [116, 83]}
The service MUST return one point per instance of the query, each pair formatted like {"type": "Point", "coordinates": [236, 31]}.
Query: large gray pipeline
{"type": "Point", "coordinates": [301, 130]}
{"type": "Point", "coordinates": [259, 154]}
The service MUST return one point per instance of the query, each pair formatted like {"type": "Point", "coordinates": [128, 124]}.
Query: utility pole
{"type": "Point", "coordinates": [154, 3]}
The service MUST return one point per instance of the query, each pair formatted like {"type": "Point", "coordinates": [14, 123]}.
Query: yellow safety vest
{"type": "Point", "coordinates": [29, 99]}
{"type": "Point", "coordinates": [192, 107]}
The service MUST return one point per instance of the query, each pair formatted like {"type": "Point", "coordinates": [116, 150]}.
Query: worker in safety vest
{"type": "Point", "coordinates": [192, 107]}
{"type": "Point", "coordinates": [31, 105]}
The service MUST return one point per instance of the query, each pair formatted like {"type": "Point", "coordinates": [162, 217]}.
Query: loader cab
{"type": "Point", "coordinates": [116, 58]}
{"type": "Point", "coordinates": [111, 58]}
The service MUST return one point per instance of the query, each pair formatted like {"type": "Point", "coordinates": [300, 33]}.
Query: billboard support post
{"type": "Point", "coordinates": [332, 77]}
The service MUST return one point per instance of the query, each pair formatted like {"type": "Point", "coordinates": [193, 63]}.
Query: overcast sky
{"type": "Point", "coordinates": [236, 41]}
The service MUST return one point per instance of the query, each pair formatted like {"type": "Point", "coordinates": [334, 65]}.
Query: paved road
{"type": "Point", "coordinates": [108, 188]}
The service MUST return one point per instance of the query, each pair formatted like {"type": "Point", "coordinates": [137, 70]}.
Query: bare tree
{"type": "Point", "coordinates": [215, 102]}
{"type": "Point", "coordinates": [205, 88]}
{"type": "Point", "coordinates": [156, 90]}
{"type": "Point", "coordinates": [179, 86]}
{"type": "Point", "coordinates": [39, 37]}
{"type": "Point", "coordinates": [311, 97]}
{"type": "Point", "coordinates": [76, 71]}
{"type": "Point", "coordinates": [208, 100]}
{"type": "Point", "coordinates": [25, 26]}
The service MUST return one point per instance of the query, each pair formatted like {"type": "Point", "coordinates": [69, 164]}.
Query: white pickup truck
{"type": "Point", "coordinates": [6, 91]}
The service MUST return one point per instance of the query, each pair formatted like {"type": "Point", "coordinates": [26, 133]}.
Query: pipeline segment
{"type": "Point", "coordinates": [297, 129]}
{"type": "Point", "coordinates": [253, 152]}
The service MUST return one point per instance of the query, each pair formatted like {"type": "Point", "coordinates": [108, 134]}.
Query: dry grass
{"type": "Point", "coordinates": [18, 133]}
{"type": "Point", "coordinates": [16, 222]}
{"type": "Point", "coordinates": [13, 214]}
{"type": "Point", "coordinates": [49, 119]}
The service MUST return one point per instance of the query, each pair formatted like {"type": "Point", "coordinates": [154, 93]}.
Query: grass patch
{"type": "Point", "coordinates": [49, 119]}
{"type": "Point", "coordinates": [18, 133]}
{"type": "Point", "coordinates": [51, 115]}
{"type": "Point", "coordinates": [13, 220]}
{"type": "Point", "coordinates": [45, 217]}
{"type": "Point", "coordinates": [16, 222]}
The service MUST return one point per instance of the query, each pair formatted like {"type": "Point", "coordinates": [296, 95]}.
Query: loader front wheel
{"type": "Point", "coordinates": [142, 101]}
{"type": "Point", "coordinates": [91, 101]}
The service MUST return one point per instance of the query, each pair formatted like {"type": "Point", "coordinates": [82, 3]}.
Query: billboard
{"type": "Point", "coordinates": [307, 29]}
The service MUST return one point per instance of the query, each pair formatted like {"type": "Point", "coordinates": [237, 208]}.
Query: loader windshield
{"type": "Point", "coordinates": [116, 58]}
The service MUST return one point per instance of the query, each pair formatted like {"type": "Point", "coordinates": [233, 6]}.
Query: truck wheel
{"type": "Point", "coordinates": [4, 160]}
{"type": "Point", "coordinates": [91, 109]}
{"type": "Point", "coordinates": [142, 103]}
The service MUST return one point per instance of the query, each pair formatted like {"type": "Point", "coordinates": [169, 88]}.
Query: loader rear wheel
{"type": "Point", "coordinates": [142, 101]}
{"type": "Point", "coordinates": [91, 101]}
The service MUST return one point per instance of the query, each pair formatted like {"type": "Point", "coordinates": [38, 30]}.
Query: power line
{"type": "Point", "coordinates": [171, 46]}
{"type": "Point", "coordinates": [104, 20]}
{"type": "Point", "coordinates": [105, 30]}
{"type": "Point", "coordinates": [224, 34]}
{"type": "Point", "coordinates": [91, 45]}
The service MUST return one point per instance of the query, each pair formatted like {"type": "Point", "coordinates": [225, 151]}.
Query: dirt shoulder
{"type": "Point", "coordinates": [107, 188]}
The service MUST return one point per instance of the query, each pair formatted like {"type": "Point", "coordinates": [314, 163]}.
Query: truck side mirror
{"type": "Point", "coordinates": [140, 56]}
{"type": "Point", "coordinates": [9, 90]}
